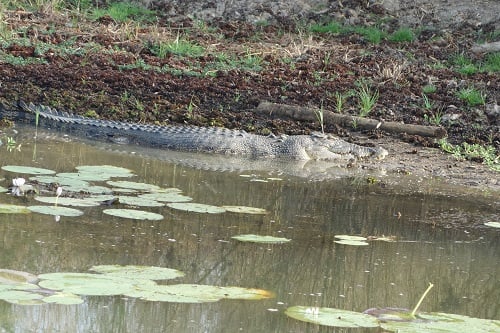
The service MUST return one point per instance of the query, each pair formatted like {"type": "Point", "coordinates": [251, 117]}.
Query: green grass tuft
{"type": "Point", "coordinates": [125, 11]}
{"type": "Point", "coordinates": [402, 35]}
{"type": "Point", "coordinates": [472, 96]}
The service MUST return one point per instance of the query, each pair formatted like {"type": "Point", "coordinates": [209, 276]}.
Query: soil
{"type": "Point", "coordinates": [109, 70]}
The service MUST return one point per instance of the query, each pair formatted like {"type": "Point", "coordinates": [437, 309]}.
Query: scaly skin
{"type": "Point", "coordinates": [316, 146]}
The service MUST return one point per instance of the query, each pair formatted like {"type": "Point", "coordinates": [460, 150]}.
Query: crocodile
{"type": "Point", "coordinates": [217, 140]}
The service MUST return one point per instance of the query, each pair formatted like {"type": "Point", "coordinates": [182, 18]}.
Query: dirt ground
{"type": "Point", "coordinates": [108, 70]}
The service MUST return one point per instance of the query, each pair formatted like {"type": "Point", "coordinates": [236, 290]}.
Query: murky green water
{"type": "Point", "coordinates": [311, 270]}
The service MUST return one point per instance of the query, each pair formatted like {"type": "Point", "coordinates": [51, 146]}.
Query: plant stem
{"type": "Point", "coordinates": [421, 299]}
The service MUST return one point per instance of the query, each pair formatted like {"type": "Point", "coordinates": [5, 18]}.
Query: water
{"type": "Point", "coordinates": [311, 270]}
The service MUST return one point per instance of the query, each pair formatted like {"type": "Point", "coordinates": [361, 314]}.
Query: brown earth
{"type": "Point", "coordinates": [108, 70]}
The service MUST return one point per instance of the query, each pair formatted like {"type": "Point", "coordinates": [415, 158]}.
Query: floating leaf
{"type": "Point", "coordinates": [10, 276]}
{"type": "Point", "coordinates": [138, 272]}
{"type": "Point", "coordinates": [196, 207]}
{"type": "Point", "coordinates": [443, 323]}
{"type": "Point", "coordinates": [108, 170]}
{"type": "Point", "coordinates": [331, 317]}
{"type": "Point", "coordinates": [63, 298]}
{"type": "Point", "coordinates": [493, 224]}
{"type": "Point", "coordinates": [66, 201]}
{"type": "Point", "coordinates": [133, 214]}
{"type": "Point", "coordinates": [84, 176]}
{"type": "Point", "coordinates": [349, 237]}
{"type": "Point", "coordinates": [62, 181]}
{"type": "Point", "coordinates": [194, 293]}
{"type": "Point", "coordinates": [245, 210]}
{"type": "Point", "coordinates": [92, 189]}
{"type": "Point", "coordinates": [90, 284]}
{"type": "Point", "coordinates": [20, 297]}
{"type": "Point", "coordinates": [27, 170]}
{"type": "Point", "coordinates": [261, 239]}
{"type": "Point", "coordinates": [13, 209]}
{"type": "Point", "coordinates": [352, 242]}
{"type": "Point", "coordinates": [133, 185]}
{"type": "Point", "coordinates": [136, 201]}
{"type": "Point", "coordinates": [390, 314]}
{"type": "Point", "coordinates": [56, 210]}
{"type": "Point", "coordinates": [173, 196]}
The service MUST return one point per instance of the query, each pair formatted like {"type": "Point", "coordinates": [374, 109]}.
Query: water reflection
{"type": "Point", "coordinates": [310, 270]}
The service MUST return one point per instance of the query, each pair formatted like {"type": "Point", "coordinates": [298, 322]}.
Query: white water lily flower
{"type": "Point", "coordinates": [18, 181]}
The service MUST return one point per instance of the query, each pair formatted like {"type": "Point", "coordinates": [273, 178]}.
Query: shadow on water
{"type": "Point", "coordinates": [311, 270]}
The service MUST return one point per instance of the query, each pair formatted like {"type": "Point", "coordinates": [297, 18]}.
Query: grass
{"type": "Point", "coordinates": [492, 63]}
{"type": "Point", "coordinates": [471, 96]}
{"type": "Point", "coordinates": [178, 46]}
{"type": "Point", "coordinates": [340, 99]}
{"type": "Point", "coordinates": [320, 113]}
{"type": "Point", "coordinates": [124, 11]}
{"type": "Point", "coordinates": [429, 89]}
{"type": "Point", "coordinates": [372, 34]}
{"type": "Point", "coordinates": [435, 118]}
{"type": "Point", "coordinates": [367, 99]}
{"type": "Point", "coordinates": [428, 104]}
{"type": "Point", "coordinates": [402, 35]}
{"type": "Point", "coordinates": [464, 65]}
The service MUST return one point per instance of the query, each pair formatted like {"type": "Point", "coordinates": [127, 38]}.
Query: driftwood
{"type": "Point", "coordinates": [310, 114]}
{"type": "Point", "coordinates": [486, 47]}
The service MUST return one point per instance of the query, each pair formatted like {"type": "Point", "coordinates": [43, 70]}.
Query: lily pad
{"type": "Point", "coordinates": [27, 170]}
{"type": "Point", "coordinates": [351, 238]}
{"type": "Point", "coordinates": [133, 185]}
{"type": "Point", "coordinates": [84, 176]}
{"type": "Point", "coordinates": [261, 239]}
{"type": "Point", "coordinates": [493, 224]}
{"type": "Point", "coordinates": [443, 323]}
{"type": "Point", "coordinates": [55, 210]}
{"type": "Point", "coordinates": [66, 201]}
{"type": "Point", "coordinates": [13, 209]}
{"type": "Point", "coordinates": [351, 242]}
{"type": "Point", "coordinates": [138, 272]}
{"type": "Point", "coordinates": [136, 201]}
{"type": "Point", "coordinates": [62, 181]}
{"type": "Point", "coordinates": [90, 284]}
{"type": "Point", "coordinates": [331, 317]}
{"type": "Point", "coordinates": [173, 196]}
{"type": "Point", "coordinates": [10, 276]}
{"type": "Point", "coordinates": [196, 207]}
{"type": "Point", "coordinates": [133, 214]}
{"type": "Point", "coordinates": [194, 293]}
{"type": "Point", "coordinates": [20, 297]}
{"type": "Point", "coordinates": [92, 189]}
{"type": "Point", "coordinates": [108, 170]}
{"type": "Point", "coordinates": [245, 210]}
{"type": "Point", "coordinates": [63, 298]}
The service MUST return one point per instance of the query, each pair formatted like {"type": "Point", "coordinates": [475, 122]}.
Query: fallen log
{"type": "Point", "coordinates": [486, 47]}
{"type": "Point", "coordinates": [310, 114]}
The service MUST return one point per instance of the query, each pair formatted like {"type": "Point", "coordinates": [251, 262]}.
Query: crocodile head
{"type": "Point", "coordinates": [329, 147]}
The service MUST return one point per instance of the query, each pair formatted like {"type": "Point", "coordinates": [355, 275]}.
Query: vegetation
{"type": "Point", "coordinates": [372, 34]}
{"type": "Point", "coordinates": [485, 154]}
{"type": "Point", "coordinates": [133, 38]}
{"type": "Point", "coordinates": [402, 35]}
{"type": "Point", "coordinates": [465, 65]}
{"type": "Point", "coordinates": [472, 96]}
{"type": "Point", "coordinates": [124, 11]}
{"type": "Point", "coordinates": [367, 99]}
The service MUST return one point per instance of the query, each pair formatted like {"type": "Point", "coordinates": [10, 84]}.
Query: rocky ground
{"type": "Point", "coordinates": [217, 74]}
